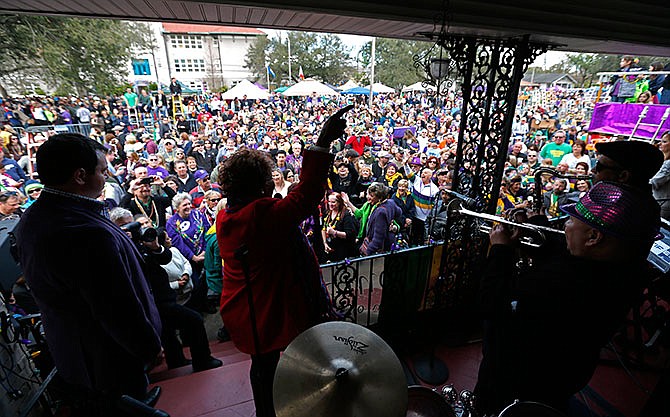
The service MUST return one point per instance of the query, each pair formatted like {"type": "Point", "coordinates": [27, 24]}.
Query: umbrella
{"type": "Point", "coordinates": [359, 91]}
{"type": "Point", "coordinates": [348, 85]}
{"type": "Point", "coordinates": [309, 86]}
{"type": "Point", "coordinates": [417, 87]}
{"type": "Point", "coordinates": [281, 89]}
{"type": "Point", "coordinates": [381, 88]}
{"type": "Point", "coordinates": [245, 88]}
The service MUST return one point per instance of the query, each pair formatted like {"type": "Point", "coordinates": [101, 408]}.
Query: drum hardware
{"type": "Point", "coordinates": [536, 238]}
{"type": "Point", "coordinates": [450, 393]}
{"type": "Point", "coordinates": [462, 403]}
{"type": "Point", "coordinates": [339, 369]}
{"type": "Point", "coordinates": [424, 402]}
{"type": "Point", "coordinates": [468, 400]}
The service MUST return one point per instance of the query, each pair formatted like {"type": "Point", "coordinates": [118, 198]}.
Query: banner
{"type": "Point", "coordinates": [621, 118]}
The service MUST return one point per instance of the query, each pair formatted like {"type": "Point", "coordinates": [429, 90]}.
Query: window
{"type": "Point", "coordinates": [186, 41]}
{"type": "Point", "coordinates": [189, 65]}
{"type": "Point", "coordinates": [141, 67]}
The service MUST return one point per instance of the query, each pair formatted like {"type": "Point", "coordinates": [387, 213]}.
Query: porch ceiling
{"type": "Point", "coordinates": [612, 26]}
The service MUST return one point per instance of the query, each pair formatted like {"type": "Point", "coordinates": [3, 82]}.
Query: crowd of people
{"type": "Point", "coordinates": [201, 196]}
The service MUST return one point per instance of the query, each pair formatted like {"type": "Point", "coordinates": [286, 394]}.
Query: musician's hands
{"type": "Point", "coordinates": [333, 128]}
{"type": "Point", "coordinates": [501, 235]}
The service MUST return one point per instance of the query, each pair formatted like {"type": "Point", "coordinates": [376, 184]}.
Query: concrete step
{"type": "Point", "coordinates": [224, 391]}
{"type": "Point", "coordinates": [225, 351]}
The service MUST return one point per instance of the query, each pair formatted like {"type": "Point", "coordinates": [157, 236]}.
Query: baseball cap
{"type": "Point", "coordinates": [201, 174]}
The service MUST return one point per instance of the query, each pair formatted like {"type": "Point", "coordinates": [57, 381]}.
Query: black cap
{"type": "Point", "coordinates": [351, 153]}
{"type": "Point", "coordinates": [642, 158]}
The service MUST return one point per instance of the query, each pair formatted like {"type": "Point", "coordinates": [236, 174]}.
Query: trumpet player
{"type": "Point", "coordinates": [544, 328]}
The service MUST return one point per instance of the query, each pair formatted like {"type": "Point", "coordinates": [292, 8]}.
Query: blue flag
{"type": "Point", "coordinates": [270, 72]}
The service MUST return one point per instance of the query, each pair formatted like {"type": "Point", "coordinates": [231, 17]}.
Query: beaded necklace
{"type": "Point", "coordinates": [153, 212]}
{"type": "Point", "coordinates": [328, 221]}
{"type": "Point", "coordinates": [197, 220]}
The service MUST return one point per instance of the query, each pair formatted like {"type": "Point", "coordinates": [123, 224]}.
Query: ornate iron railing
{"type": "Point", "coordinates": [412, 280]}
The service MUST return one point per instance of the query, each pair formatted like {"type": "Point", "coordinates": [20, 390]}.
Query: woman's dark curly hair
{"type": "Point", "coordinates": [246, 176]}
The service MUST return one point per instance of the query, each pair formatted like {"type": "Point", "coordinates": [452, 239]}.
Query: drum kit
{"type": "Point", "coordinates": [341, 369]}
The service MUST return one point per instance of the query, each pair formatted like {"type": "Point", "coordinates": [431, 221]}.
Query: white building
{"type": "Point", "coordinates": [202, 57]}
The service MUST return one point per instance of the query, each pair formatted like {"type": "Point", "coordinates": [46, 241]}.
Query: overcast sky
{"type": "Point", "coordinates": [355, 41]}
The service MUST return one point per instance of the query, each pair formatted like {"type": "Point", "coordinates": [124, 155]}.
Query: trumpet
{"type": "Point", "coordinates": [534, 237]}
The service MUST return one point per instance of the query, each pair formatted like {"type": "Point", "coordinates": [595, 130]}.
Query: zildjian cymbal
{"type": "Point", "coordinates": [339, 369]}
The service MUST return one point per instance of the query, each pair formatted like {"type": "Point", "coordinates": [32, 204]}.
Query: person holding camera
{"type": "Point", "coordinates": [436, 222]}
{"type": "Point", "coordinates": [103, 333]}
{"type": "Point", "coordinates": [142, 202]}
{"type": "Point", "coordinates": [173, 315]}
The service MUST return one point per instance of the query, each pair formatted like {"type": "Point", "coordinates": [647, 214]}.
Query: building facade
{"type": "Point", "coordinates": [202, 57]}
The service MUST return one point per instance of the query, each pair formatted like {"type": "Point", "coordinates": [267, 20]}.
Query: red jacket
{"type": "Point", "coordinates": [359, 143]}
{"type": "Point", "coordinates": [267, 227]}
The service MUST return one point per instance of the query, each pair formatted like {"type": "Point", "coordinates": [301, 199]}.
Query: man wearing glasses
{"type": "Point", "coordinates": [556, 149]}
{"type": "Point", "coordinates": [629, 162]}
{"type": "Point", "coordinates": [204, 185]}
{"type": "Point", "coordinates": [154, 169]}
{"type": "Point", "coordinates": [533, 161]}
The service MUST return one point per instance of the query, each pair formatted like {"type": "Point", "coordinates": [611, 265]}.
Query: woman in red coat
{"type": "Point", "coordinates": [261, 234]}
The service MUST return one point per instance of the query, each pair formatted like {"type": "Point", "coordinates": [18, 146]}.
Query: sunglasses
{"type": "Point", "coordinates": [600, 167]}
{"type": "Point", "coordinates": [214, 200]}
{"type": "Point", "coordinates": [36, 190]}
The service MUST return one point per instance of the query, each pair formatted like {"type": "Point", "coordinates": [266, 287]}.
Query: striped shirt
{"type": "Point", "coordinates": [424, 196]}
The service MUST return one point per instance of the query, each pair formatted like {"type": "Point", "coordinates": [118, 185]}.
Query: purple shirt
{"type": "Point", "coordinates": [158, 171]}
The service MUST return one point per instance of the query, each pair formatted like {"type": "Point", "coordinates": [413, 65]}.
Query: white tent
{"type": "Point", "coordinates": [309, 86]}
{"type": "Point", "coordinates": [348, 85]}
{"type": "Point", "coordinates": [247, 88]}
{"type": "Point", "coordinates": [380, 88]}
{"type": "Point", "coordinates": [417, 87]}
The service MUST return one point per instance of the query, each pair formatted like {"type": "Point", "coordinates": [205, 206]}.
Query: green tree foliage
{"type": "Point", "coordinates": [394, 61]}
{"type": "Point", "coordinates": [77, 55]}
{"type": "Point", "coordinates": [585, 67]}
{"type": "Point", "coordinates": [325, 57]}
{"type": "Point", "coordinates": [256, 57]}
{"type": "Point", "coordinates": [322, 56]}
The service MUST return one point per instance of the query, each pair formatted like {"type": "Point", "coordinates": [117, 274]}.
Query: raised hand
{"type": "Point", "coordinates": [333, 128]}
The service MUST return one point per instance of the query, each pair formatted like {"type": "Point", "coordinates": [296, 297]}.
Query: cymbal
{"type": "Point", "coordinates": [339, 369]}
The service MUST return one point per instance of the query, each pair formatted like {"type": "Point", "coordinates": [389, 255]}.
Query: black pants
{"type": "Point", "coordinates": [418, 231]}
{"type": "Point", "coordinates": [189, 323]}
{"type": "Point", "coordinates": [198, 300]}
{"type": "Point", "coordinates": [84, 402]}
{"type": "Point", "coordinates": [262, 376]}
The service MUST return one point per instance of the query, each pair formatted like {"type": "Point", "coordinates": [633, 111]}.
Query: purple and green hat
{"type": "Point", "coordinates": [616, 210]}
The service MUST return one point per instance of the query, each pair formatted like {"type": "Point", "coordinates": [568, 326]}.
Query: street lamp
{"type": "Point", "coordinates": [438, 68]}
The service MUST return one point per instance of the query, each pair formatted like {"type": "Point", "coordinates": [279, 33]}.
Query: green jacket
{"type": "Point", "coordinates": [213, 266]}
{"type": "Point", "coordinates": [362, 215]}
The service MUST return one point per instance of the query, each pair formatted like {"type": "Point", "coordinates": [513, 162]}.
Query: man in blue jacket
{"type": "Point", "coordinates": [101, 323]}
